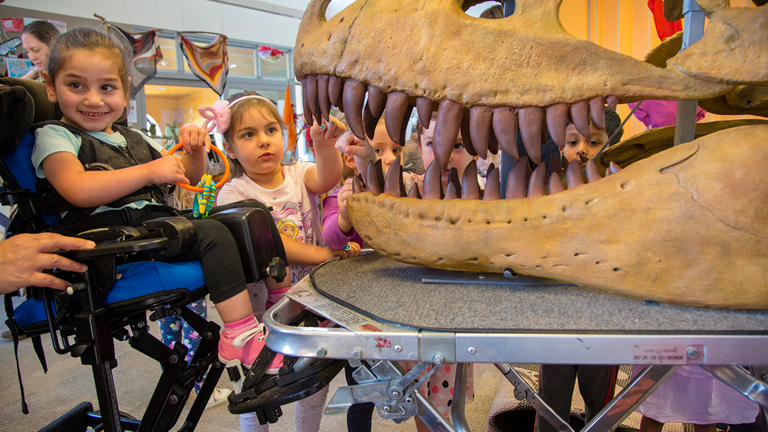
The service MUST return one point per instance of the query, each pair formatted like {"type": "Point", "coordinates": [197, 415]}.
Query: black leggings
{"type": "Point", "coordinates": [359, 416]}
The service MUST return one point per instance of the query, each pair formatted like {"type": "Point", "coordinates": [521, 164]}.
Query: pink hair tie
{"type": "Point", "coordinates": [216, 116]}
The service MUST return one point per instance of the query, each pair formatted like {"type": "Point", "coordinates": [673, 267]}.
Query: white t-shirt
{"type": "Point", "coordinates": [294, 207]}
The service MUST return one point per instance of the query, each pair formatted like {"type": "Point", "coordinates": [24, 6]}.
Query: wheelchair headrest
{"type": "Point", "coordinates": [22, 102]}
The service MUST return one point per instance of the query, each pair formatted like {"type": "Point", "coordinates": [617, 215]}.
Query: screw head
{"type": "Point", "coordinates": [408, 400]}
{"type": "Point", "coordinates": [173, 400]}
{"type": "Point", "coordinates": [471, 350]}
{"type": "Point", "coordinates": [438, 360]}
{"type": "Point", "coordinates": [321, 353]}
{"type": "Point", "coordinates": [208, 335]}
{"type": "Point", "coordinates": [395, 393]}
{"type": "Point", "coordinates": [519, 395]}
{"type": "Point", "coordinates": [140, 324]}
{"type": "Point", "coordinates": [764, 376]}
{"type": "Point", "coordinates": [692, 353]}
{"type": "Point", "coordinates": [357, 354]}
{"type": "Point", "coordinates": [173, 359]}
{"type": "Point", "coordinates": [398, 348]}
{"type": "Point", "coordinates": [386, 408]}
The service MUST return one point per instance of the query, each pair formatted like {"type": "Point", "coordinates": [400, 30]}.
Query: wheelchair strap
{"type": "Point", "coordinates": [11, 323]}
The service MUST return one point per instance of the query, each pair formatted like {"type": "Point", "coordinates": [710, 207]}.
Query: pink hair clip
{"type": "Point", "coordinates": [216, 116]}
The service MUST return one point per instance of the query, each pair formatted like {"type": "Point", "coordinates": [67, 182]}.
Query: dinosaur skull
{"type": "Point", "coordinates": [672, 227]}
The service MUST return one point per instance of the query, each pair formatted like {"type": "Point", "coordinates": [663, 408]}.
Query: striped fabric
{"type": "Point", "coordinates": [209, 63]}
{"type": "Point", "coordinates": [145, 54]}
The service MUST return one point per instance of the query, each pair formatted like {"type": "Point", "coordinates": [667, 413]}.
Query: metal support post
{"type": "Point", "coordinates": [693, 30]}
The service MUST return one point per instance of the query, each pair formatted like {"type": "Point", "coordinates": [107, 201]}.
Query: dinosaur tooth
{"type": "Point", "coordinates": [597, 112]}
{"type": "Point", "coordinates": [470, 188]}
{"type": "Point", "coordinates": [424, 110]}
{"type": "Point", "coordinates": [322, 96]}
{"type": "Point", "coordinates": [505, 130]}
{"type": "Point", "coordinates": [592, 174]}
{"type": "Point", "coordinates": [433, 182]}
{"type": "Point", "coordinates": [531, 119]}
{"type": "Point", "coordinates": [449, 116]}
{"type": "Point", "coordinates": [538, 182]}
{"type": "Point", "coordinates": [372, 180]}
{"type": "Point", "coordinates": [452, 191]}
{"type": "Point", "coordinates": [555, 184]}
{"type": "Point", "coordinates": [393, 184]}
{"type": "Point", "coordinates": [311, 83]}
{"type": "Point", "coordinates": [492, 190]}
{"type": "Point", "coordinates": [354, 96]}
{"type": "Point", "coordinates": [614, 168]}
{"type": "Point", "coordinates": [414, 191]}
{"type": "Point", "coordinates": [613, 102]}
{"type": "Point", "coordinates": [377, 100]}
{"type": "Point", "coordinates": [517, 180]}
{"type": "Point", "coordinates": [557, 121]}
{"type": "Point", "coordinates": [554, 165]}
{"type": "Point", "coordinates": [357, 184]}
{"type": "Point", "coordinates": [580, 118]}
{"type": "Point", "coordinates": [466, 136]}
{"type": "Point", "coordinates": [480, 118]}
{"type": "Point", "coordinates": [305, 101]}
{"type": "Point", "coordinates": [335, 89]}
{"type": "Point", "coordinates": [369, 122]}
{"type": "Point", "coordinates": [573, 175]}
{"type": "Point", "coordinates": [396, 114]}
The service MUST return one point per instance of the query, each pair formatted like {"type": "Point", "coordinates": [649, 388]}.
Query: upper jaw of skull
{"type": "Point", "coordinates": [524, 71]}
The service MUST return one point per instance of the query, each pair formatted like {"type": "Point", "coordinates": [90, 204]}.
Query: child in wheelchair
{"type": "Point", "coordinates": [87, 77]}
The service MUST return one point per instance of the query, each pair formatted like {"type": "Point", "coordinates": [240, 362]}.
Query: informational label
{"type": "Point", "coordinates": [668, 354]}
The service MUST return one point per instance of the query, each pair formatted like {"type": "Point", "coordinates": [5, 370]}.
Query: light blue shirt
{"type": "Point", "coordinates": [52, 139]}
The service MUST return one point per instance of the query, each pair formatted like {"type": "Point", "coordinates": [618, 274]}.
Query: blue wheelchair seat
{"type": "Point", "coordinates": [138, 282]}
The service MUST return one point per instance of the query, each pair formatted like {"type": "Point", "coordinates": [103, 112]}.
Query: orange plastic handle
{"type": "Point", "coordinates": [199, 189]}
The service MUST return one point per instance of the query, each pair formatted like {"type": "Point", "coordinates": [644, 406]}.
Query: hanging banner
{"type": "Point", "coordinates": [146, 53]}
{"type": "Point", "coordinates": [664, 28]}
{"type": "Point", "coordinates": [270, 54]}
{"type": "Point", "coordinates": [209, 63]}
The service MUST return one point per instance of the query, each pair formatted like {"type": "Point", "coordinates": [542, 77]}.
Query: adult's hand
{"type": "Point", "coordinates": [23, 258]}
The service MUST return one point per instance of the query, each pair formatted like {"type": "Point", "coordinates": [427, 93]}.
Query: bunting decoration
{"type": "Point", "coordinates": [145, 54]}
{"type": "Point", "coordinates": [209, 62]}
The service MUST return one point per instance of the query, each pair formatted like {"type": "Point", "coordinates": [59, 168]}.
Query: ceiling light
{"type": "Point", "coordinates": [160, 88]}
{"type": "Point", "coordinates": [164, 63]}
{"type": "Point", "coordinates": [232, 66]}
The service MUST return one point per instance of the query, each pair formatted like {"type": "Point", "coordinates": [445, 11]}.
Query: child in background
{"type": "Point", "coordinates": [460, 158]}
{"type": "Point", "coordinates": [439, 388]}
{"type": "Point", "coordinates": [337, 230]}
{"type": "Point", "coordinates": [583, 148]}
{"type": "Point", "coordinates": [691, 395]}
{"type": "Point", "coordinates": [596, 382]}
{"type": "Point", "coordinates": [87, 76]}
{"type": "Point", "coordinates": [253, 140]}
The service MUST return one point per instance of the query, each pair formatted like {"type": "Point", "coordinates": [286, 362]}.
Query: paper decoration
{"type": "Point", "coordinates": [17, 68]}
{"type": "Point", "coordinates": [8, 45]}
{"type": "Point", "coordinates": [664, 28]}
{"type": "Point", "coordinates": [270, 54]}
{"type": "Point", "coordinates": [290, 120]}
{"type": "Point", "coordinates": [61, 26]}
{"type": "Point", "coordinates": [146, 54]}
{"type": "Point", "coordinates": [209, 62]}
{"type": "Point", "coordinates": [13, 24]}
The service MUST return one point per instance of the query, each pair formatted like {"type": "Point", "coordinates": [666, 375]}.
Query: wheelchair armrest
{"type": "Point", "coordinates": [178, 230]}
{"type": "Point", "coordinates": [129, 247]}
{"type": "Point", "coordinates": [251, 229]}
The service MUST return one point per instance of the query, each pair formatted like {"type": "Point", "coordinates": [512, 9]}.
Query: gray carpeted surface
{"type": "Point", "coordinates": [392, 291]}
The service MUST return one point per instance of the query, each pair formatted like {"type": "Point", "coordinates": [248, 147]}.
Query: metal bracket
{"type": "Point", "coordinates": [438, 346]}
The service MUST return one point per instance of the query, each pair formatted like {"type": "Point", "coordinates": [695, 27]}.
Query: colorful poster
{"type": "Point", "coordinates": [28, 21]}
{"type": "Point", "coordinates": [13, 24]}
{"type": "Point", "coordinates": [60, 25]}
{"type": "Point", "coordinates": [17, 68]}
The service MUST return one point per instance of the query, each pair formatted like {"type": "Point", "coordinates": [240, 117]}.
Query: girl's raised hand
{"type": "Point", "coordinates": [327, 133]}
{"type": "Point", "coordinates": [167, 169]}
{"type": "Point", "coordinates": [194, 137]}
{"type": "Point", "coordinates": [350, 145]}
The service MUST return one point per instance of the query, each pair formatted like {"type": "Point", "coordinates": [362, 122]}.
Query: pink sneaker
{"type": "Point", "coordinates": [245, 348]}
